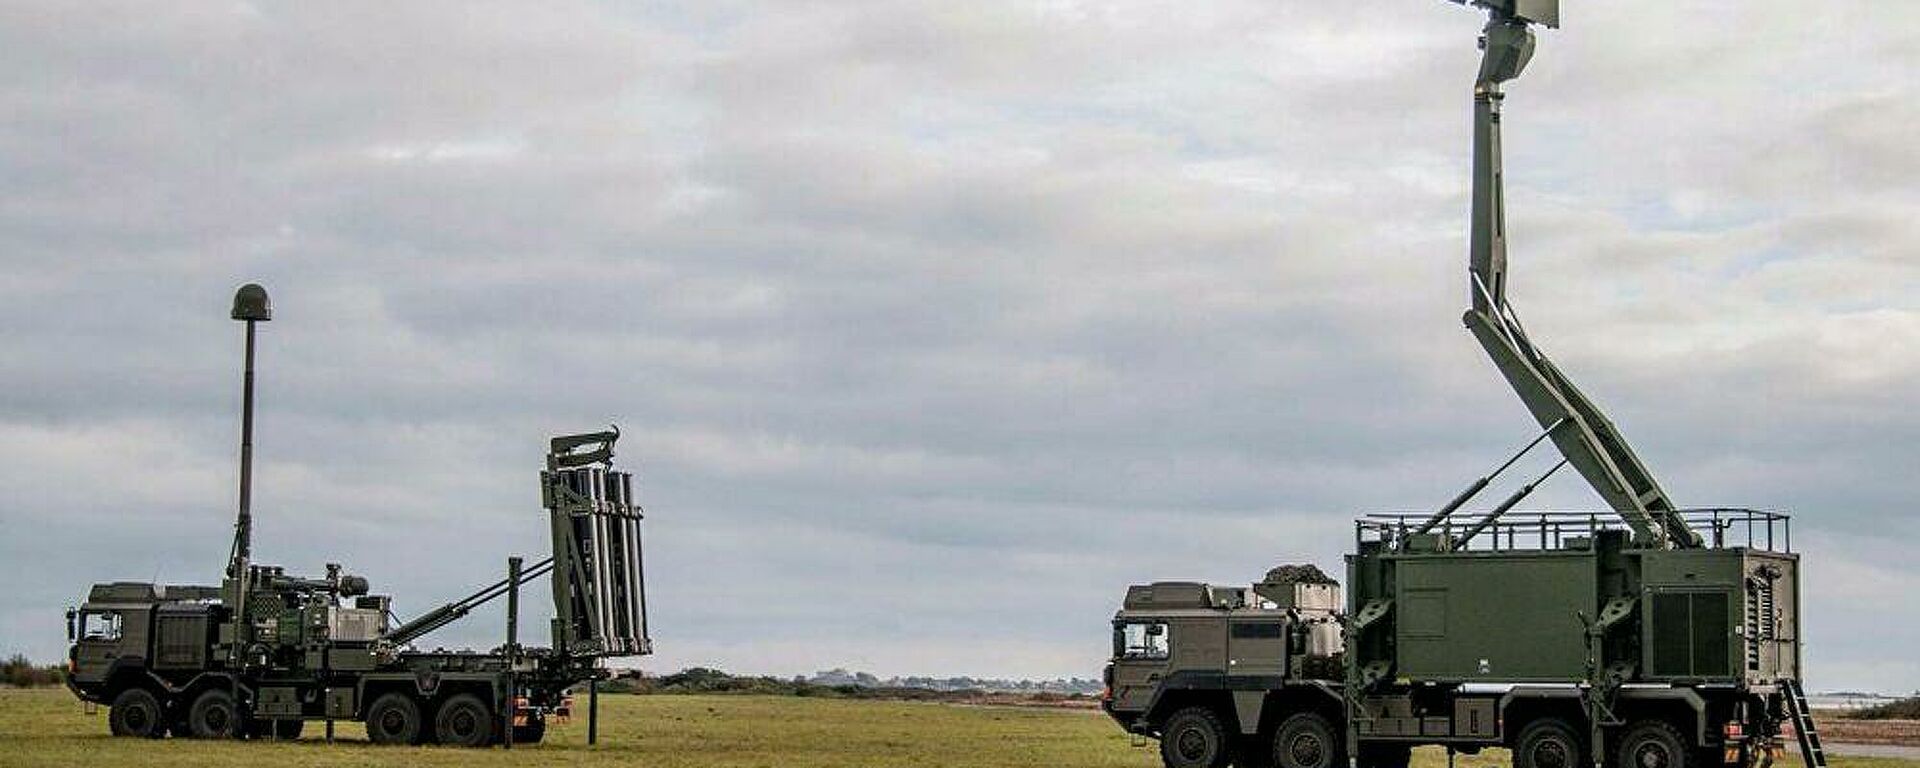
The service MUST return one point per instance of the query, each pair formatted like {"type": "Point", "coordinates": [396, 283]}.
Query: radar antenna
{"type": "Point", "coordinates": [1578, 428]}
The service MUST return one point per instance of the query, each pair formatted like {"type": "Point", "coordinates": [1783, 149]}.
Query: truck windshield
{"type": "Point", "coordinates": [1140, 640]}
{"type": "Point", "coordinates": [100, 626]}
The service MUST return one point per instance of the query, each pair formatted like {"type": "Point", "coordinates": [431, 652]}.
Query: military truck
{"type": "Point", "coordinates": [1649, 636]}
{"type": "Point", "coordinates": [265, 652]}
{"type": "Point", "coordinates": [1559, 636]}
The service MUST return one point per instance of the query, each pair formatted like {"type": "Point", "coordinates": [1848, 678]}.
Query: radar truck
{"type": "Point", "coordinates": [266, 651]}
{"type": "Point", "coordinates": [1647, 637]}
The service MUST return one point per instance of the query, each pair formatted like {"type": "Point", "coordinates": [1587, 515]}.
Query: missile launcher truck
{"type": "Point", "coordinates": [265, 652]}
{"type": "Point", "coordinates": [1646, 637]}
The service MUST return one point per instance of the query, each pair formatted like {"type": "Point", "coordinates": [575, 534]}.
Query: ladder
{"type": "Point", "coordinates": [1803, 729]}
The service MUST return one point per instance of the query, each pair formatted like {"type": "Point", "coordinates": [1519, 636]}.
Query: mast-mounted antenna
{"type": "Point", "coordinates": [1578, 428]}
{"type": "Point", "coordinates": [250, 305]}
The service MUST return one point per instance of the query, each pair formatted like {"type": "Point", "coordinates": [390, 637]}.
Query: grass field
{"type": "Point", "coordinates": [46, 727]}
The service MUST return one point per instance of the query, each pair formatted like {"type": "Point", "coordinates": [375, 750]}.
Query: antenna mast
{"type": "Point", "coordinates": [250, 304]}
{"type": "Point", "coordinates": [1578, 428]}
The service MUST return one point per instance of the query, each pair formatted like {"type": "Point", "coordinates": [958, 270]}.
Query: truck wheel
{"type": "Point", "coordinates": [1193, 738]}
{"type": "Point", "coordinates": [1549, 742]}
{"type": "Point", "coordinates": [137, 713]}
{"type": "Point", "coordinates": [1653, 744]}
{"type": "Point", "coordinates": [393, 719]}
{"type": "Point", "coordinates": [213, 715]}
{"type": "Point", "coordinates": [1307, 740]}
{"type": "Point", "coordinates": [464, 721]}
{"type": "Point", "coordinates": [1385, 755]}
{"type": "Point", "coordinates": [531, 733]}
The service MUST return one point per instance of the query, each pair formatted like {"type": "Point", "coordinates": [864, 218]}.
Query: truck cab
{"type": "Point", "coordinates": [1200, 666]}
{"type": "Point", "coordinates": [109, 633]}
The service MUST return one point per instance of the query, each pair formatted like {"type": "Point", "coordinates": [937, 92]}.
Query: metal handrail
{"type": "Point", "coordinates": [1719, 528]}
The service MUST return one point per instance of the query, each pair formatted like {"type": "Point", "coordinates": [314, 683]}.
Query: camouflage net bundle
{"type": "Point", "coordinates": [1298, 574]}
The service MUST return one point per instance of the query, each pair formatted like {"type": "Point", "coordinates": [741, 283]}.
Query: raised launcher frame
{"type": "Point", "coordinates": [1572, 600]}
{"type": "Point", "coordinates": [599, 598]}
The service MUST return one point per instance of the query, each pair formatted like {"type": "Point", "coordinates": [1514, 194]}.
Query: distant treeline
{"type": "Point", "coordinates": [703, 680]}
{"type": "Point", "coordinates": [19, 672]}
{"type": "Point", "coordinates": [834, 677]}
{"type": "Point", "coordinates": [1904, 709]}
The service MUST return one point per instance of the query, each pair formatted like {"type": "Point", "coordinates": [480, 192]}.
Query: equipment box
{"type": "Point", "coordinates": [278, 702]}
{"type": "Point", "coordinates": [340, 703]}
{"type": "Point", "coordinates": [1474, 717]}
{"type": "Point", "coordinates": [1390, 726]}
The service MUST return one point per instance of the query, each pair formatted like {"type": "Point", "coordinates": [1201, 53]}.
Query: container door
{"type": "Point", "coordinates": [1257, 646]}
{"type": "Point", "coordinates": [1690, 635]}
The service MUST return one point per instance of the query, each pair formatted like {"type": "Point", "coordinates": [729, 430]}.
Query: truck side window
{"type": "Point", "coordinates": [1141, 640]}
{"type": "Point", "coordinates": [100, 626]}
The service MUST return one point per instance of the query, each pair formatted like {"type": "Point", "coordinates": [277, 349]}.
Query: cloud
{"type": "Point", "coordinates": [930, 326]}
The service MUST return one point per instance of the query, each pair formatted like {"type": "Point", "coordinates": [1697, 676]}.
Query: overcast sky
{"type": "Point", "coordinates": [932, 325]}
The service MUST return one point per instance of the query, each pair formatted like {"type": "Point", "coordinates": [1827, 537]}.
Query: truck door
{"type": "Point", "coordinates": [101, 632]}
{"type": "Point", "coordinates": [1140, 654]}
{"type": "Point", "coordinates": [1257, 646]}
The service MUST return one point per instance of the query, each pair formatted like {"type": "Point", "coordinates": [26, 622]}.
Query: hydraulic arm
{"type": "Point", "coordinates": [1578, 428]}
{"type": "Point", "coordinates": [454, 611]}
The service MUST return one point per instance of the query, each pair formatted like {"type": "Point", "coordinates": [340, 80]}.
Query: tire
{"type": "Point", "coordinates": [464, 721]}
{"type": "Point", "coordinates": [1194, 738]}
{"type": "Point", "coordinates": [1653, 744]}
{"type": "Point", "coordinates": [394, 719]}
{"type": "Point", "coordinates": [137, 713]}
{"type": "Point", "coordinates": [214, 716]}
{"type": "Point", "coordinates": [1308, 740]}
{"type": "Point", "coordinates": [1385, 755]}
{"type": "Point", "coordinates": [531, 733]}
{"type": "Point", "coordinates": [1549, 742]}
